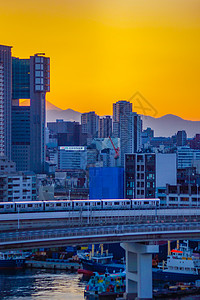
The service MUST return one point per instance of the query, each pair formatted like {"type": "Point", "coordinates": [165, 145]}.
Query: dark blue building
{"type": "Point", "coordinates": [21, 137]}
{"type": "Point", "coordinates": [106, 183]}
{"type": "Point", "coordinates": [30, 80]}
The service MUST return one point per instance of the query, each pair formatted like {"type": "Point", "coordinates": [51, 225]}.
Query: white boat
{"type": "Point", "coordinates": [181, 265]}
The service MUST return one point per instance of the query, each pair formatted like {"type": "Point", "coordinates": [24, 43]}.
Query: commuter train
{"type": "Point", "coordinates": [77, 205]}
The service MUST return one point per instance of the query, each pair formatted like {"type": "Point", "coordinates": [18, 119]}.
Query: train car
{"type": "Point", "coordinates": [7, 207]}
{"type": "Point", "coordinates": [145, 203]}
{"type": "Point", "coordinates": [29, 206]}
{"type": "Point", "coordinates": [87, 204]}
{"type": "Point", "coordinates": [116, 204]}
{"type": "Point", "coordinates": [59, 205]}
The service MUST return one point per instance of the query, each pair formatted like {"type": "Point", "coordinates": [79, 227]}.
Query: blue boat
{"type": "Point", "coordinates": [12, 260]}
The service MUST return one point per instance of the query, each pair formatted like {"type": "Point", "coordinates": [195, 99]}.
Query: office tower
{"type": "Point", "coordinates": [130, 134]}
{"type": "Point", "coordinates": [120, 108]}
{"type": "Point", "coordinates": [105, 127]}
{"type": "Point", "coordinates": [31, 80]}
{"type": "Point", "coordinates": [181, 138]}
{"type": "Point", "coordinates": [5, 100]}
{"type": "Point", "coordinates": [72, 157]}
{"type": "Point", "coordinates": [39, 85]}
{"type": "Point", "coordinates": [21, 153]}
{"type": "Point", "coordinates": [67, 133]}
{"type": "Point", "coordinates": [89, 122]}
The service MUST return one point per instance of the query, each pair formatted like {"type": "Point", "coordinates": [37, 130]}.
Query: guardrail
{"type": "Point", "coordinates": [98, 232]}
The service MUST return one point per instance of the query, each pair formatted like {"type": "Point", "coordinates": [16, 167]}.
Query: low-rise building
{"type": "Point", "coordinates": [18, 187]}
{"type": "Point", "coordinates": [183, 195]}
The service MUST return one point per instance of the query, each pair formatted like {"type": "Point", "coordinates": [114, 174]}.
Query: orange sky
{"type": "Point", "coordinates": [105, 50]}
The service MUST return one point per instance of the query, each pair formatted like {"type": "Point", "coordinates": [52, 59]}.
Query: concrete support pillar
{"type": "Point", "coordinates": [139, 270]}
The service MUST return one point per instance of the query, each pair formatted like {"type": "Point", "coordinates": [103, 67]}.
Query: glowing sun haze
{"type": "Point", "coordinates": [105, 50]}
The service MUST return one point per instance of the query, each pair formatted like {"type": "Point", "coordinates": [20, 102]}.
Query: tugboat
{"type": "Point", "coordinates": [182, 265]}
{"type": "Point", "coordinates": [12, 260]}
{"type": "Point", "coordinates": [100, 262]}
{"type": "Point", "coordinates": [107, 285]}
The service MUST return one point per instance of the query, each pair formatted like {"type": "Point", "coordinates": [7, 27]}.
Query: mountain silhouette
{"type": "Point", "coordinates": [166, 125]}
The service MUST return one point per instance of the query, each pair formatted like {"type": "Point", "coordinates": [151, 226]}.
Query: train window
{"type": "Point", "coordinates": [68, 204]}
{"type": "Point", "coordinates": [51, 204]}
{"type": "Point", "coordinates": [47, 204]}
{"type": "Point", "coordinates": [128, 203]}
{"type": "Point", "coordinates": [98, 203]}
{"type": "Point", "coordinates": [29, 205]}
{"type": "Point", "coordinates": [58, 204]}
{"type": "Point", "coordinates": [7, 206]}
{"type": "Point", "coordinates": [105, 203]}
{"type": "Point", "coordinates": [86, 203]}
{"type": "Point", "coordinates": [76, 204]}
{"type": "Point", "coordinates": [116, 203]}
{"type": "Point", "coordinates": [1, 206]}
{"type": "Point", "coordinates": [146, 202]}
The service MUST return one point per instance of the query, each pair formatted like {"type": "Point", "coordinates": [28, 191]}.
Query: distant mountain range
{"type": "Point", "coordinates": [169, 124]}
{"type": "Point", "coordinates": [166, 126]}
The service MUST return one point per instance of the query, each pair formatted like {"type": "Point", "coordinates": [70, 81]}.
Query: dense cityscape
{"type": "Point", "coordinates": [67, 185]}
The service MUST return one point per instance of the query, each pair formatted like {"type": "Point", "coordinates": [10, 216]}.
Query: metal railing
{"type": "Point", "coordinates": [99, 232]}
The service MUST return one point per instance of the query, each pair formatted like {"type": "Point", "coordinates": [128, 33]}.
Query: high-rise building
{"type": "Point", "coordinates": [130, 134]}
{"type": "Point", "coordinates": [21, 153]}
{"type": "Point", "coordinates": [181, 138]}
{"type": "Point", "coordinates": [5, 100]}
{"type": "Point", "coordinates": [39, 85]}
{"type": "Point", "coordinates": [120, 108]}
{"type": "Point", "coordinates": [67, 133]}
{"type": "Point", "coordinates": [89, 122]}
{"type": "Point", "coordinates": [105, 127]}
{"type": "Point", "coordinates": [31, 80]}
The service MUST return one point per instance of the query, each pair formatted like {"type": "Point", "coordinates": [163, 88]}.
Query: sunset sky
{"type": "Point", "coordinates": [105, 50]}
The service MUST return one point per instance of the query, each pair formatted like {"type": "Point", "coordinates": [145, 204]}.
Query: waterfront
{"type": "Point", "coordinates": [46, 285]}
{"type": "Point", "coordinates": [41, 284]}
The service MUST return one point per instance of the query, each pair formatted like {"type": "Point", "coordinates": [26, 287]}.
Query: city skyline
{"type": "Point", "coordinates": [104, 52]}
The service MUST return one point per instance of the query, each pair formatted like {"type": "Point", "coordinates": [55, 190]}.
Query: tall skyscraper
{"type": "Point", "coordinates": [130, 134]}
{"type": "Point", "coordinates": [181, 138]}
{"type": "Point", "coordinates": [89, 122]}
{"type": "Point", "coordinates": [5, 100]}
{"type": "Point", "coordinates": [120, 108]}
{"type": "Point", "coordinates": [39, 85]}
{"type": "Point", "coordinates": [21, 153]}
{"type": "Point", "coordinates": [105, 127]}
{"type": "Point", "coordinates": [31, 80]}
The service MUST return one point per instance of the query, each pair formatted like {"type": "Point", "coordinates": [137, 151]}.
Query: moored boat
{"type": "Point", "coordinates": [106, 284]}
{"type": "Point", "coordinates": [12, 260]}
{"type": "Point", "coordinates": [100, 262]}
{"type": "Point", "coordinates": [182, 265]}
